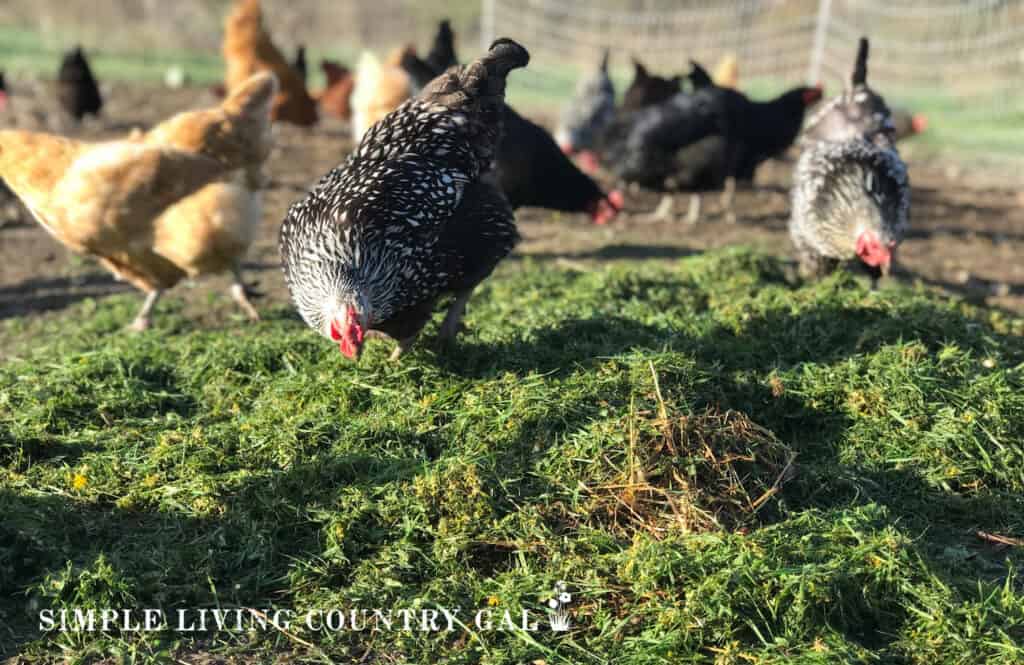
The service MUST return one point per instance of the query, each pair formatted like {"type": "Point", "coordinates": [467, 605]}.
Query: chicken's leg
{"type": "Point", "coordinates": [142, 320]}
{"type": "Point", "coordinates": [728, 194]}
{"type": "Point", "coordinates": [453, 319]}
{"type": "Point", "coordinates": [403, 346]}
{"type": "Point", "coordinates": [664, 210]}
{"type": "Point", "coordinates": [693, 214]}
{"type": "Point", "coordinates": [239, 295]}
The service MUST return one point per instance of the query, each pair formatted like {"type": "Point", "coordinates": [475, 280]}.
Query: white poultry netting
{"type": "Point", "coordinates": [964, 56]}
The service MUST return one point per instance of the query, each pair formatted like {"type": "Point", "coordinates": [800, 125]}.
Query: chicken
{"type": "Point", "coordinates": [77, 91]}
{"type": "Point", "coordinates": [647, 145]}
{"type": "Point", "coordinates": [248, 50]}
{"type": "Point", "coordinates": [851, 200]}
{"type": "Point", "coordinates": [647, 89]}
{"type": "Point", "coordinates": [727, 72]}
{"type": "Point", "coordinates": [410, 216]}
{"type": "Point", "coordinates": [3, 92]}
{"type": "Point", "coordinates": [153, 208]}
{"type": "Point", "coordinates": [587, 116]}
{"type": "Point", "coordinates": [442, 52]}
{"type": "Point", "coordinates": [336, 98]}
{"type": "Point", "coordinates": [299, 64]}
{"type": "Point", "coordinates": [851, 193]}
{"type": "Point", "coordinates": [533, 171]}
{"type": "Point", "coordinates": [419, 70]}
{"type": "Point", "coordinates": [380, 88]}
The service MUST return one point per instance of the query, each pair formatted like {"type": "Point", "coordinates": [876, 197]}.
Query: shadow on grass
{"type": "Point", "coordinates": [240, 558]}
{"type": "Point", "coordinates": [617, 252]}
{"type": "Point", "coordinates": [39, 294]}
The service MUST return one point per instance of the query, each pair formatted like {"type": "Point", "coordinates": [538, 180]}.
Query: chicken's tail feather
{"type": "Point", "coordinates": [483, 79]}
{"type": "Point", "coordinates": [860, 66]}
{"type": "Point", "coordinates": [504, 56]}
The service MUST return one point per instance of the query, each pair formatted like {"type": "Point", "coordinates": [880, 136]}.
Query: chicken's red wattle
{"type": "Point", "coordinates": [871, 251]}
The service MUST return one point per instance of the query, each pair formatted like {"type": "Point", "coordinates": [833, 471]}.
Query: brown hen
{"type": "Point", "coordinates": [178, 201]}
{"type": "Point", "coordinates": [248, 50]}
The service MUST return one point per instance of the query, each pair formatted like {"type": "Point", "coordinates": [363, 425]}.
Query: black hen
{"type": "Point", "coordinates": [533, 171]}
{"type": "Point", "coordinates": [77, 90]}
{"type": "Point", "coordinates": [442, 51]}
{"type": "Point", "coordinates": [647, 89]}
{"type": "Point", "coordinates": [409, 216]}
{"type": "Point", "coordinates": [648, 146]}
{"type": "Point", "coordinates": [300, 63]}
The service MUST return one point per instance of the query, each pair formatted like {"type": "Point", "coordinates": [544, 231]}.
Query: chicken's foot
{"type": "Point", "coordinates": [239, 295]}
{"type": "Point", "coordinates": [142, 319]}
{"type": "Point", "coordinates": [693, 214]}
{"type": "Point", "coordinates": [403, 346]}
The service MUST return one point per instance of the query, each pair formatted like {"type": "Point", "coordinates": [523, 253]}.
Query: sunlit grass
{"type": "Point", "coordinates": [724, 468]}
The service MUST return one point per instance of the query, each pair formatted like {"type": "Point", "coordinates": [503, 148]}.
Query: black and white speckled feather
{"type": "Point", "coordinates": [841, 189]}
{"type": "Point", "coordinates": [409, 215]}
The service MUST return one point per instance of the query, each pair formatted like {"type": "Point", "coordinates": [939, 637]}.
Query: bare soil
{"type": "Point", "coordinates": [968, 228]}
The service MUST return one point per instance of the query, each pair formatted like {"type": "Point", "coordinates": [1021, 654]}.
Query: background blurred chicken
{"type": "Point", "coordinates": [336, 97]}
{"type": "Point", "coordinates": [587, 115]}
{"type": "Point", "coordinates": [77, 90]}
{"type": "Point", "coordinates": [442, 52]}
{"type": "Point", "coordinates": [647, 146]}
{"type": "Point", "coordinates": [248, 50]}
{"type": "Point", "coordinates": [851, 192]}
{"type": "Point", "coordinates": [647, 89]}
{"type": "Point", "coordinates": [380, 88]}
{"type": "Point", "coordinates": [3, 92]}
{"type": "Point", "coordinates": [409, 216]}
{"type": "Point", "coordinates": [153, 208]}
{"type": "Point", "coordinates": [727, 72]}
{"type": "Point", "coordinates": [533, 171]}
{"type": "Point", "coordinates": [299, 64]}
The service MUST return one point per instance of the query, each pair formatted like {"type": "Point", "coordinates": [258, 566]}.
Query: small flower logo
{"type": "Point", "coordinates": [558, 608]}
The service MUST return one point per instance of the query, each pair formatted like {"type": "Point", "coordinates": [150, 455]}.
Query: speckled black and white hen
{"type": "Point", "coordinates": [851, 200]}
{"type": "Point", "coordinates": [851, 191]}
{"type": "Point", "coordinates": [410, 216]}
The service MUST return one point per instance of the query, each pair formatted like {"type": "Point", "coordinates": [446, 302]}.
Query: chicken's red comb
{"type": "Point", "coordinates": [919, 122]}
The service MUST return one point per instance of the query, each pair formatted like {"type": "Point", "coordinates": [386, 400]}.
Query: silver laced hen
{"type": "Point", "coordinates": [851, 192]}
{"type": "Point", "coordinates": [410, 216]}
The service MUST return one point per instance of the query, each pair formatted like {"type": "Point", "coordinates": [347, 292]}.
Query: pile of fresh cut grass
{"type": "Point", "coordinates": [722, 467]}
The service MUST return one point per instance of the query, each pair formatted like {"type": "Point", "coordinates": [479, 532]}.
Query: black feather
{"type": "Point", "coordinates": [860, 65]}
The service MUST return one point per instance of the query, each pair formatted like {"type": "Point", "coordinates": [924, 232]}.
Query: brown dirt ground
{"type": "Point", "coordinates": [967, 237]}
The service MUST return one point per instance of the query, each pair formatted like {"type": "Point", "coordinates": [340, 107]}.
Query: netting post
{"type": "Point", "coordinates": [486, 24]}
{"type": "Point", "coordinates": [820, 35]}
